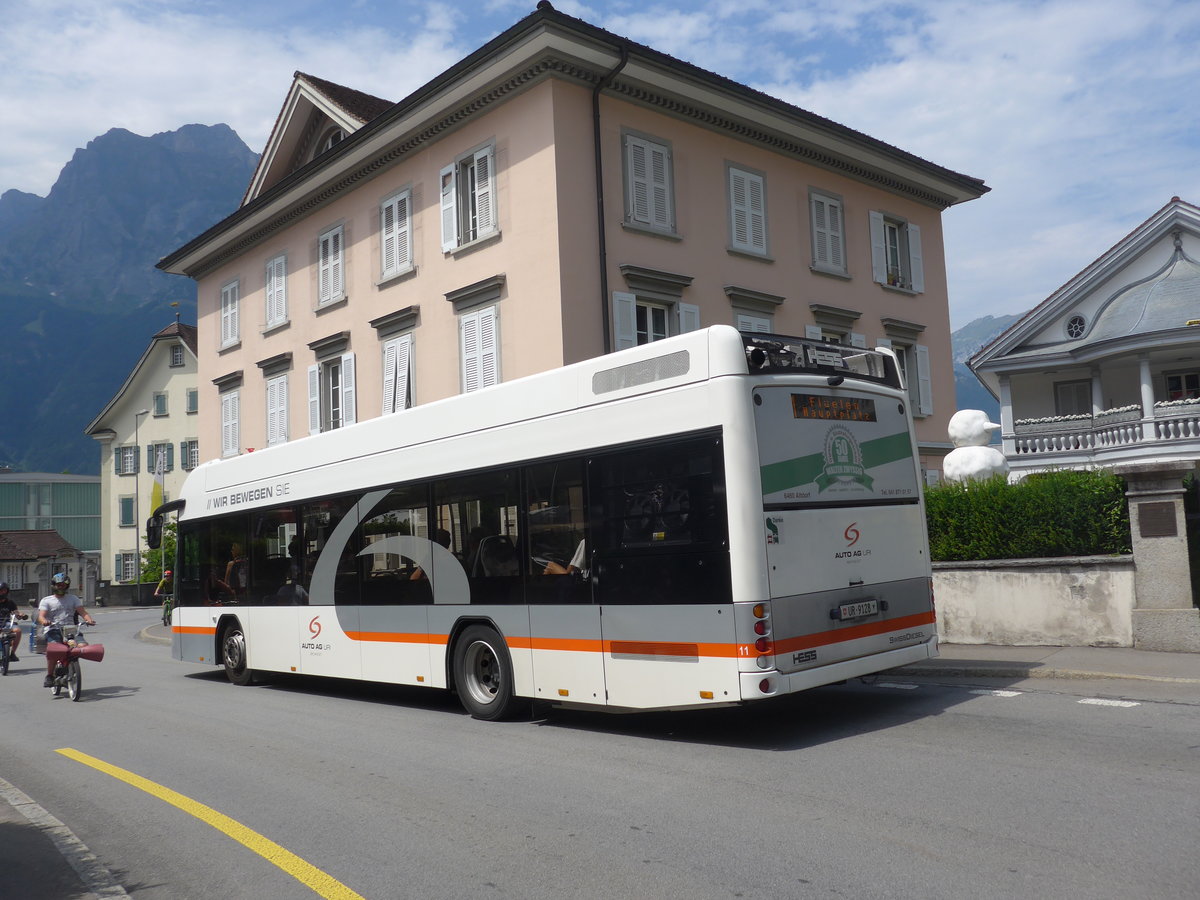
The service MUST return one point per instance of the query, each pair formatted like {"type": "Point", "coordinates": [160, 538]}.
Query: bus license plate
{"type": "Point", "coordinates": [858, 610]}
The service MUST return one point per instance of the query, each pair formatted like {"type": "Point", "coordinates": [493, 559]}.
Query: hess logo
{"type": "Point", "coordinates": [314, 627]}
{"type": "Point", "coordinates": [851, 534]}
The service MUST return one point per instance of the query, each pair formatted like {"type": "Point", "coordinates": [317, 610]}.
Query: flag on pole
{"type": "Point", "coordinates": [160, 470]}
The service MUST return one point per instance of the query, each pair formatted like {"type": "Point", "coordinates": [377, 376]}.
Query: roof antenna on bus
{"type": "Point", "coordinates": [835, 380]}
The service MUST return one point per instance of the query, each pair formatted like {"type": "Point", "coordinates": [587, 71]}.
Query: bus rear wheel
{"type": "Point", "coordinates": [483, 674]}
{"type": "Point", "coordinates": [233, 656]}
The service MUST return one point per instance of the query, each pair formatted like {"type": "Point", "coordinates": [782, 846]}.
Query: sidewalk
{"type": "Point", "coordinates": [991, 661]}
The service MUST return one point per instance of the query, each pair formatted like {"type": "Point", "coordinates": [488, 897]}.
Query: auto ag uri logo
{"type": "Point", "coordinates": [851, 534]}
{"type": "Point", "coordinates": [314, 627]}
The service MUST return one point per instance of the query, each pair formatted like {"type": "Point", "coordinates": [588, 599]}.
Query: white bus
{"type": "Point", "coordinates": [707, 520]}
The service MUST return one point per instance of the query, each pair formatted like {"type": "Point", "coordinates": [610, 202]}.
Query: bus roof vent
{"type": "Point", "coordinates": [644, 371]}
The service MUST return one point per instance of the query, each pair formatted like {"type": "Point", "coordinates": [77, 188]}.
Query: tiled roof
{"type": "Point", "coordinates": [29, 545]}
{"type": "Point", "coordinates": [363, 107]}
{"type": "Point", "coordinates": [186, 333]}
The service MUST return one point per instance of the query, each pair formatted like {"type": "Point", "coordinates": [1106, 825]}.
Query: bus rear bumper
{"type": "Point", "coordinates": [780, 683]}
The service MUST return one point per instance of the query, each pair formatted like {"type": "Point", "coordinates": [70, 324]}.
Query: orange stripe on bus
{"type": "Point", "coordinates": [854, 632]}
{"type": "Point", "coordinates": [194, 629]}
{"type": "Point", "coordinates": [397, 637]}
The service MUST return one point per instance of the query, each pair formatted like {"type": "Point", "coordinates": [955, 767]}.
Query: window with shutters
{"type": "Point", "coordinates": [126, 514]}
{"type": "Point", "coordinates": [828, 234]}
{"type": "Point", "coordinates": [161, 454]}
{"type": "Point", "coordinates": [397, 374]}
{"type": "Point", "coordinates": [331, 394]}
{"type": "Point", "coordinates": [479, 344]}
{"type": "Point", "coordinates": [395, 235]}
{"type": "Point", "coordinates": [189, 454]}
{"type": "Point", "coordinates": [640, 320]}
{"type": "Point", "coordinates": [649, 193]}
{"type": "Point", "coordinates": [913, 360]}
{"type": "Point", "coordinates": [468, 199]}
{"type": "Point", "coordinates": [896, 253]}
{"type": "Point", "coordinates": [277, 410]}
{"type": "Point", "coordinates": [276, 291]}
{"type": "Point", "coordinates": [230, 314]}
{"type": "Point", "coordinates": [752, 323]}
{"type": "Point", "coordinates": [192, 400]}
{"type": "Point", "coordinates": [126, 567]}
{"type": "Point", "coordinates": [231, 438]}
{"type": "Point", "coordinates": [125, 460]}
{"type": "Point", "coordinates": [331, 264]}
{"type": "Point", "coordinates": [747, 211]}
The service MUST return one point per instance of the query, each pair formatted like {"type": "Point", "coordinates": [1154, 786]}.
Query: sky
{"type": "Point", "coordinates": [1083, 116]}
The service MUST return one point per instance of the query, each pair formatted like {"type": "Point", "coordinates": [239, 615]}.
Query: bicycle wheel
{"type": "Point", "coordinates": [166, 613]}
{"type": "Point", "coordinates": [4, 657]}
{"type": "Point", "coordinates": [74, 680]}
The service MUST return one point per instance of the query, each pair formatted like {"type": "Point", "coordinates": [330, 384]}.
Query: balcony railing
{"type": "Point", "coordinates": [1109, 432]}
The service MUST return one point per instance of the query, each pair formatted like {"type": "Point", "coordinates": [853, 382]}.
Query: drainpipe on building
{"type": "Point", "coordinates": [600, 86]}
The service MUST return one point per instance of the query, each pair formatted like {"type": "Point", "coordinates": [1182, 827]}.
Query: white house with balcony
{"type": "Point", "coordinates": [1106, 370]}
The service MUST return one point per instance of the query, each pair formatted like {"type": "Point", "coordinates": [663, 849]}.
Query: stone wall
{"type": "Point", "coordinates": [1058, 602]}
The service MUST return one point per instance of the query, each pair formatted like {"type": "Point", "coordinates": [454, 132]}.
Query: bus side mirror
{"type": "Point", "coordinates": [154, 527]}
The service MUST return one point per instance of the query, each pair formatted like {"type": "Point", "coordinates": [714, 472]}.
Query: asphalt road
{"type": "Point", "coordinates": [893, 789]}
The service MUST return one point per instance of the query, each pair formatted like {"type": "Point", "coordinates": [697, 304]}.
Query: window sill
{"type": "Point", "coordinates": [831, 272]}
{"type": "Point", "coordinates": [386, 281]}
{"type": "Point", "coordinates": [651, 232]}
{"type": "Point", "coordinates": [276, 326]}
{"type": "Point", "coordinates": [471, 246]}
{"type": "Point", "coordinates": [227, 348]}
{"type": "Point", "coordinates": [749, 254]}
{"type": "Point", "coordinates": [897, 289]}
{"type": "Point", "coordinates": [332, 304]}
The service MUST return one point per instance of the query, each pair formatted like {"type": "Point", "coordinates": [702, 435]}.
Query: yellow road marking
{"type": "Point", "coordinates": [307, 874]}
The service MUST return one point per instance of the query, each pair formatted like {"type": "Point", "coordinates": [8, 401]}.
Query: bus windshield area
{"type": "Point", "coordinates": [778, 354]}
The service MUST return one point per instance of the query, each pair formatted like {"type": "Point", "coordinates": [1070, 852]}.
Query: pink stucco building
{"type": "Point", "coordinates": [560, 193]}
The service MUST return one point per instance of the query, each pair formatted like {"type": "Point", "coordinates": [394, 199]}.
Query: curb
{"type": "Point", "coordinates": [983, 671]}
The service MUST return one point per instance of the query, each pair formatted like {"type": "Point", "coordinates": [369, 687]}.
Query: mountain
{"type": "Point", "coordinates": [965, 343]}
{"type": "Point", "coordinates": [79, 295]}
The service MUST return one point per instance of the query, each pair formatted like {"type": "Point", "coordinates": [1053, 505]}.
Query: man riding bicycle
{"type": "Point", "coordinates": [58, 609]}
{"type": "Point", "coordinates": [10, 613]}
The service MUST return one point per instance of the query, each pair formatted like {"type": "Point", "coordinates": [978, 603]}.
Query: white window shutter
{"type": "Point", "coordinates": [746, 206]}
{"type": "Point", "coordinates": [403, 232]}
{"type": "Point", "coordinates": [878, 253]}
{"type": "Point", "coordinates": [229, 424]}
{"type": "Point", "coordinates": [638, 165]}
{"type": "Point", "coordinates": [489, 367]}
{"type": "Point", "coordinates": [813, 332]}
{"type": "Point", "coordinates": [277, 430]}
{"type": "Point", "coordinates": [468, 328]}
{"type": "Point", "coordinates": [387, 238]}
{"type": "Point", "coordinates": [449, 181]}
{"type": "Point", "coordinates": [348, 416]}
{"type": "Point", "coordinates": [924, 381]}
{"type": "Point", "coordinates": [755, 324]}
{"type": "Point", "coordinates": [336, 269]}
{"type": "Point", "coordinates": [687, 318]}
{"type": "Point", "coordinates": [324, 284]}
{"type": "Point", "coordinates": [837, 254]}
{"type": "Point", "coordinates": [914, 259]}
{"type": "Point", "coordinates": [330, 266]}
{"type": "Point", "coordinates": [660, 183]}
{"type": "Point", "coordinates": [858, 340]}
{"type": "Point", "coordinates": [624, 315]}
{"type": "Point", "coordinates": [229, 314]}
{"type": "Point", "coordinates": [401, 371]}
{"type": "Point", "coordinates": [819, 215]}
{"type": "Point", "coordinates": [485, 191]}
{"type": "Point", "coordinates": [314, 399]}
{"type": "Point", "coordinates": [389, 376]}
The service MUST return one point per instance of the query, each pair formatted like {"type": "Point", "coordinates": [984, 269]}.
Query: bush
{"type": "Point", "coordinates": [1061, 513]}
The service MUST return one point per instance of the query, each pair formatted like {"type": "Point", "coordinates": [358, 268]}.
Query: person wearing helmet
{"type": "Point", "coordinates": [9, 614]}
{"type": "Point", "coordinates": [60, 608]}
{"type": "Point", "coordinates": [166, 587]}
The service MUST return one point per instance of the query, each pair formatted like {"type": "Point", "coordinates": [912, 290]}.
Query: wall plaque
{"type": "Point", "coordinates": [1157, 520]}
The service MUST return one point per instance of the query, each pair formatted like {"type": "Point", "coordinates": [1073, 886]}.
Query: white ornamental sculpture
{"type": "Point", "coordinates": [972, 459]}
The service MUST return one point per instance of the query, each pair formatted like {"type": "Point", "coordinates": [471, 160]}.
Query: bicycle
{"type": "Point", "coordinates": [67, 672]}
{"type": "Point", "coordinates": [166, 610]}
{"type": "Point", "coordinates": [6, 639]}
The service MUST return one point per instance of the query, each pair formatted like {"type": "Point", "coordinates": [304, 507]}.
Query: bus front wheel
{"type": "Point", "coordinates": [483, 674]}
{"type": "Point", "coordinates": [233, 655]}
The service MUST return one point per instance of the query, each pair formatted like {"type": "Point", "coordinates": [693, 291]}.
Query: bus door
{"type": "Point", "coordinates": [328, 630]}
{"type": "Point", "coordinates": [662, 574]}
{"type": "Point", "coordinates": [847, 555]}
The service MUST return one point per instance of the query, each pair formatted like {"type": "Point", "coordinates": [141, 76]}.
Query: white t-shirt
{"type": "Point", "coordinates": [60, 610]}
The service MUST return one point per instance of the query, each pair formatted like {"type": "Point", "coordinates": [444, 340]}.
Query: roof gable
{"type": "Point", "coordinates": [1136, 286]}
{"type": "Point", "coordinates": [176, 332]}
{"type": "Point", "coordinates": [314, 111]}
{"type": "Point", "coordinates": [31, 545]}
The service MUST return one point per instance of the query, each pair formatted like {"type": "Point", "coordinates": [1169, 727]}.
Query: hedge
{"type": "Point", "coordinates": [1060, 513]}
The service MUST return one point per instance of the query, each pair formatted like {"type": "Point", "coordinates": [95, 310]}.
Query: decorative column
{"type": "Point", "coordinates": [1147, 397]}
{"type": "Point", "coordinates": [1164, 617]}
{"type": "Point", "coordinates": [1007, 443]}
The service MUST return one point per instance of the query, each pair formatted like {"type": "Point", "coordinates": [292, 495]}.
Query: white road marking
{"type": "Point", "coordinates": [897, 685]}
{"type": "Point", "coordinates": [1097, 701]}
{"type": "Point", "coordinates": [989, 693]}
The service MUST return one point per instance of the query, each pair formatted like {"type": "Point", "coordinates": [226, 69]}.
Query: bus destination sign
{"type": "Point", "coordinates": [833, 409]}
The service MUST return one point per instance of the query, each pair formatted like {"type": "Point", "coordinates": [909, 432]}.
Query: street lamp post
{"type": "Point", "coordinates": [137, 501]}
